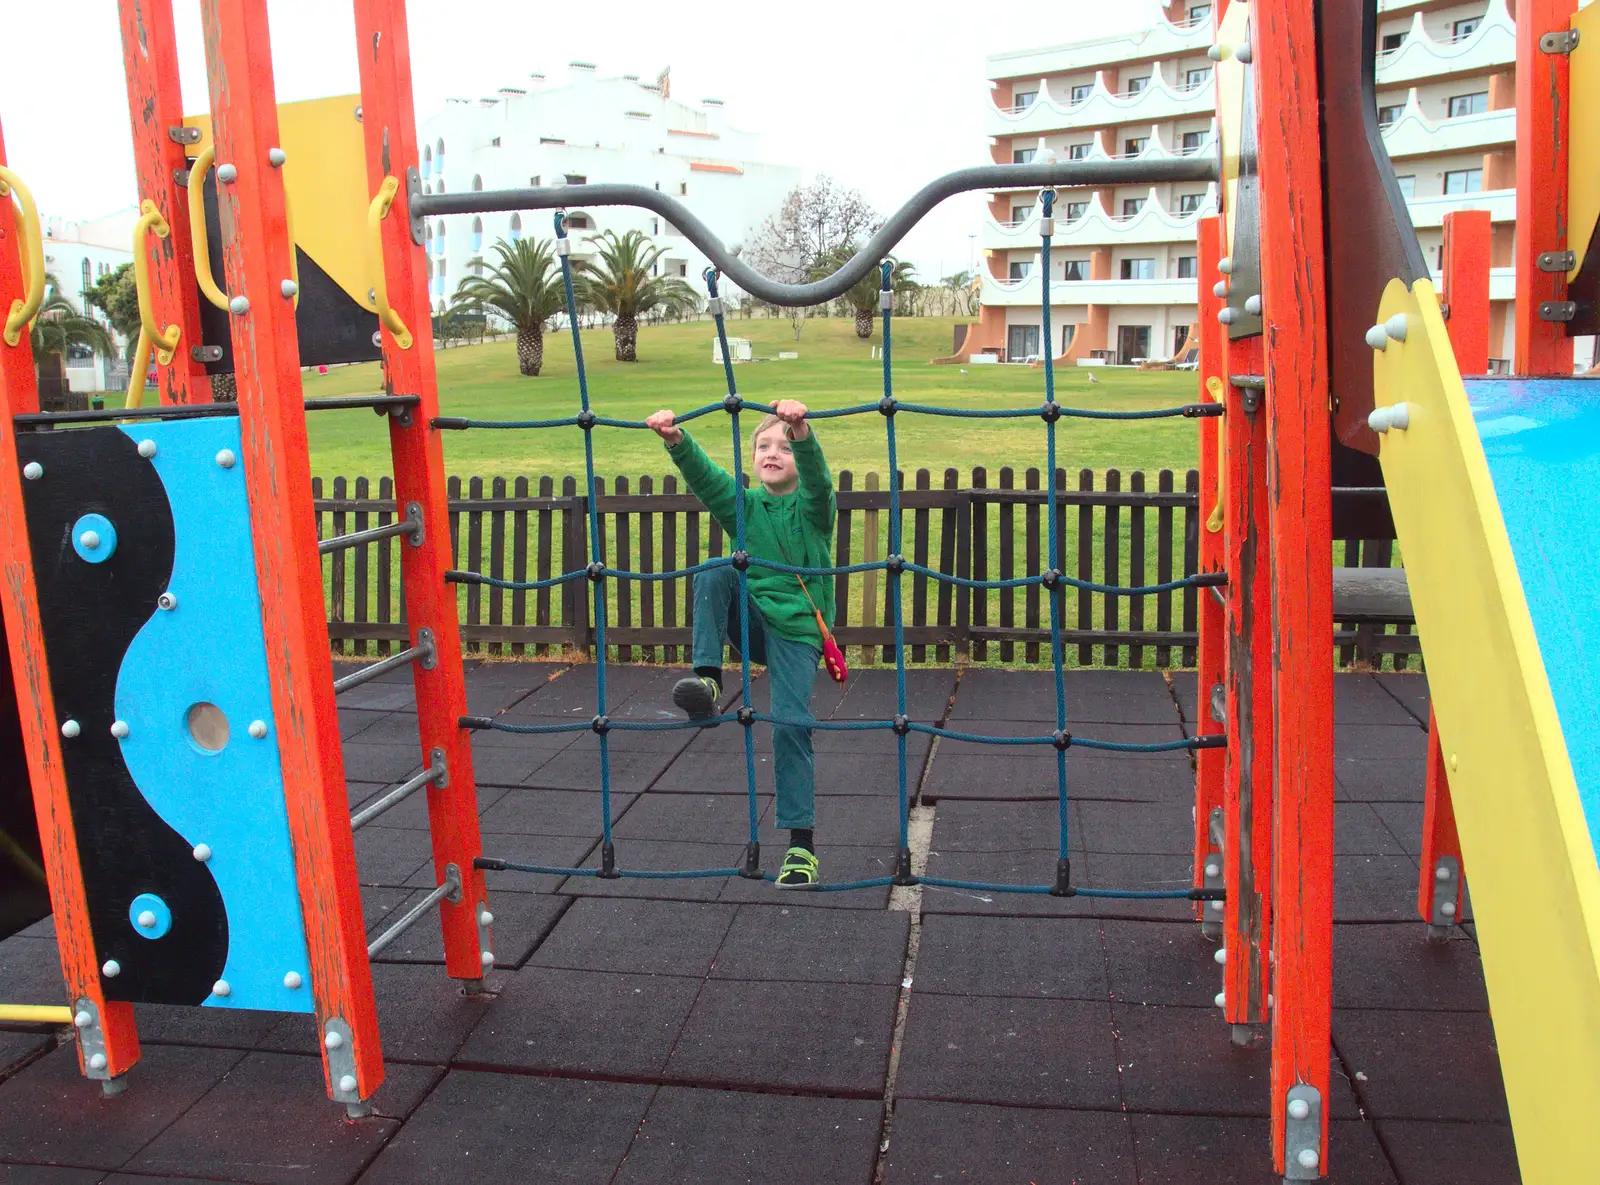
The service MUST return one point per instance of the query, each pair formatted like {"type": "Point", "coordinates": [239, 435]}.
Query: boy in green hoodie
{"type": "Point", "coordinates": [788, 517]}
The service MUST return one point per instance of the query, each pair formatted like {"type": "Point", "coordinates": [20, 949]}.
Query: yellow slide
{"type": "Point", "coordinates": [1495, 487]}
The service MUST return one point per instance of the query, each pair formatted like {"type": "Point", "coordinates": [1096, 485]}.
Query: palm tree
{"type": "Point", "coordinates": [525, 288]}
{"type": "Point", "coordinates": [863, 294]}
{"type": "Point", "coordinates": [621, 283]}
{"type": "Point", "coordinates": [58, 326]}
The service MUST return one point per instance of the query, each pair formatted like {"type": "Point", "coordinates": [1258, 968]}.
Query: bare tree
{"type": "Point", "coordinates": [814, 223]}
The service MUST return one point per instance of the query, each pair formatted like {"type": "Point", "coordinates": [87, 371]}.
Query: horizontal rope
{"type": "Point", "coordinates": [492, 864]}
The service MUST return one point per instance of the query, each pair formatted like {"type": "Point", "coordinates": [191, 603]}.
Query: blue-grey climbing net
{"type": "Point", "coordinates": [1052, 579]}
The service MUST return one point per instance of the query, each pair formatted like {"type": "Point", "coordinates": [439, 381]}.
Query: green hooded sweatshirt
{"type": "Point", "coordinates": [794, 528]}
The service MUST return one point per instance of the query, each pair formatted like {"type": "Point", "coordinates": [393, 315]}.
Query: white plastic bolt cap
{"type": "Point", "coordinates": [1216, 907]}
{"type": "Point", "coordinates": [119, 729]}
{"type": "Point", "coordinates": [1226, 316]}
{"type": "Point", "coordinates": [347, 1084]}
{"type": "Point", "coordinates": [1243, 54]}
{"type": "Point", "coordinates": [147, 920]}
{"type": "Point", "coordinates": [1253, 305]}
{"type": "Point", "coordinates": [485, 918]}
{"type": "Point", "coordinates": [487, 958]}
{"type": "Point", "coordinates": [111, 969]}
{"type": "Point", "coordinates": [147, 448]}
{"type": "Point", "coordinates": [1220, 1000]}
{"type": "Point", "coordinates": [202, 852]}
{"type": "Point", "coordinates": [1213, 870]}
{"type": "Point", "coordinates": [227, 173]}
{"type": "Point", "coordinates": [1221, 955]}
{"type": "Point", "coordinates": [333, 1041]}
{"type": "Point", "coordinates": [167, 600]}
{"type": "Point", "coordinates": [258, 729]}
{"type": "Point", "coordinates": [1225, 265]}
{"type": "Point", "coordinates": [33, 471]}
{"type": "Point", "coordinates": [226, 459]}
{"type": "Point", "coordinates": [1217, 52]}
{"type": "Point", "coordinates": [288, 288]}
{"type": "Point", "coordinates": [239, 305]}
{"type": "Point", "coordinates": [1308, 1158]}
{"type": "Point", "coordinates": [83, 1020]}
{"type": "Point", "coordinates": [221, 988]}
{"type": "Point", "coordinates": [1399, 416]}
{"type": "Point", "coordinates": [90, 539]}
{"type": "Point", "coordinates": [97, 1061]}
{"type": "Point", "coordinates": [292, 980]}
{"type": "Point", "coordinates": [1448, 908]}
{"type": "Point", "coordinates": [1378, 338]}
{"type": "Point", "coordinates": [1395, 327]}
{"type": "Point", "coordinates": [276, 157]}
{"type": "Point", "coordinates": [1441, 873]}
{"type": "Point", "coordinates": [1220, 288]}
{"type": "Point", "coordinates": [1299, 1109]}
{"type": "Point", "coordinates": [70, 729]}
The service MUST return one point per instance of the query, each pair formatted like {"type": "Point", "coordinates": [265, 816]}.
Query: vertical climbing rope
{"type": "Point", "coordinates": [902, 871]}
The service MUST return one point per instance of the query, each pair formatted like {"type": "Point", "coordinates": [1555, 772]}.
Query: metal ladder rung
{"type": "Point", "coordinates": [436, 774]}
{"type": "Point", "coordinates": [450, 890]}
{"type": "Point", "coordinates": [424, 652]}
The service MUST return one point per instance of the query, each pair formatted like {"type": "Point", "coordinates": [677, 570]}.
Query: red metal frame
{"type": "Point", "coordinates": [1543, 141]}
{"type": "Point", "coordinates": [257, 260]}
{"type": "Point", "coordinates": [1467, 238]}
{"type": "Point", "coordinates": [389, 124]}
{"type": "Point", "coordinates": [1439, 838]}
{"type": "Point", "coordinates": [1209, 763]}
{"type": "Point", "coordinates": [1300, 511]}
{"type": "Point", "coordinates": [155, 107]}
{"type": "Point", "coordinates": [19, 596]}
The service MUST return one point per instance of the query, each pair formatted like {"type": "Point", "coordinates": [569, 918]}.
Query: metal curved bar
{"type": "Point", "coordinates": [163, 341]}
{"type": "Point", "coordinates": [1060, 173]}
{"type": "Point", "coordinates": [31, 242]}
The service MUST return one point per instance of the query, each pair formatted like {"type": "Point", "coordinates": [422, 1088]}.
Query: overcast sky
{"type": "Point", "coordinates": [882, 96]}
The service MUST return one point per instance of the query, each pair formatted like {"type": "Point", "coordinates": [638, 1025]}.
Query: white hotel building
{"type": "Point", "coordinates": [591, 129]}
{"type": "Point", "coordinates": [1123, 283]}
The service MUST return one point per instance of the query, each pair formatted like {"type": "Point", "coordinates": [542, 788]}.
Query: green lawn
{"type": "Point", "coordinates": [834, 369]}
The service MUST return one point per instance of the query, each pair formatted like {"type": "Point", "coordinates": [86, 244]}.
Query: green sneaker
{"type": "Point", "coordinates": [800, 870]}
{"type": "Point", "coordinates": [698, 696]}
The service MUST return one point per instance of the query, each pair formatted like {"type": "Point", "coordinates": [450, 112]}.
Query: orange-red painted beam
{"type": "Point", "coordinates": [1467, 235]}
{"type": "Point", "coordinates": [257, 260]}
{"type": "Point", "coordinates": [389, 124]}
{"type": "Point", "coordinates": [19, 597]}
{"type": "Point", "coordinates": [1439, 838]}
{"type": "Point", "coordinates": [1544, 129]}
{"type": "Point", "coordinates": [155, 106]}
{"type": "Point", "coordinates": [1300, 509]}
{"type": "Point", "coordinates": [1209, 763]}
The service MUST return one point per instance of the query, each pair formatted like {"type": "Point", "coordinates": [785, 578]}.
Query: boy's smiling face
{"type": "Point", "coordinates": [774, 461]}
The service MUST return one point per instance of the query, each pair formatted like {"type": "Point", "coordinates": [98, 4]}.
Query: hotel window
{"type": "Point", "coordinates": [1477, 101]}
{"type": "Point", "coordinates": [427, 161]}
{"type": "Point", "coordinates": [1077, 151]}
{"type": "Point", "coordinates": [477, 182]}
{"type": "Point", "coordinates": [534, 181]}
{"type": "Point", "coordinates": [1076, 210]}
{"type": "Point", "coordinates": [1138, 269]}
{"type": "Point", "coordinates": [516, 227]}
{"type": "Point", "coordinates": [578, 221]}
{"type": "Point", "coordinates": [1076, 269]}
{"type": "Point", "coordinates": [683, 189]}
{"type": "Point", "coordinates": [1464, 181]}
{"type": "Point", "coordinates": [1192, 141]}
{"type": "Point", "coordinates": [1188, 268]}
{"type": "Point", "coordinates": [1022, 156]}
{"type": "Point", "coordinates": [1022, 100]}
{"type": "Point", "coordinates": [1387, 115]}
{"type": "Point", "coordinates": [1021, 213]}
{"type": "Point", "coordinates": [1082, 91]}
{"type": "Point", "coordinates": [577, 179]}
{"type": "Point", "coordinates": [1068, 332]}
{"type": "Point", "coordinates": [1018, 270]}
{"type": "Point", "coordinates": [495, 143]}
{"type": "Point", "coordinates": [87, 282]}
{"type": "Point", "coordinates": [1195, 79]}
{"type": "Point", "coordinates": [1188, 203]}
{"type": "Point", "coordinates": [1390, 42]}
{"type": "Point", "coordinates": [1134, 146]}
{"type": "Point", "coordinates": [1408, 186]}
{"type": "Point", "coordinates": [477, 234]}
{"type": "Point", "coordinates": [1465, 28]}
{"type": "Point", "coordinates": [1180, 335]}
{"type": "Point", "coordinates": [1198, 13]}
{"type": "Point", "coordinates": [1131, 206]}
{"type": "Point", "coordinates": [1135, 85]}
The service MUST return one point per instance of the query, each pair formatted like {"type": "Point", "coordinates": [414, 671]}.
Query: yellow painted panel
{"type": "Point", "coordinates": [1529, 861]}
{"type": "Point", "coordinates": [1233, 31]}
{"type": "Point", "coordinates": [1583, 163]}
{"type": "Point", "coordinates": [325, 176]}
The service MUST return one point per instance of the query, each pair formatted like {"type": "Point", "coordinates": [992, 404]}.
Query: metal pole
{"type": "Point", "coordinates": [451, 890]}
{"type": "Point", "coordinates": [435, 773]}
{"type": "Point", "coordinates": [423, 650]}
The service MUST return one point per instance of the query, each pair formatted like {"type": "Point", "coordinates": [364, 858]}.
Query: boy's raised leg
{"type": "Point", "coordinates": [792, 670]}
{"type": "Point", "coordinates": [715, 593]}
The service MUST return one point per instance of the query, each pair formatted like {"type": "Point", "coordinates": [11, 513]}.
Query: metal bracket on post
{"type": "Point", "coordinates": [1211, 922]}
{"type": "Point", "coordinates": [180, 178]}
{"type": "Point", "coordinates": [183, 135]}
{"type": "Point", "coordinates": [341, 1055]}
{"type": "Point", "coordinates": [206, 353]}
{"type": "Point", "coordinates": [1558, 310]}
{"type": "Point", "coordinates": [1302, 1135]}
{"type": "Point", "coordinates": [414, 191]}
{"type": "Point", "coordinates": [1557, 261]}
{"type": "Point", "coordinates": [92, 1043]}
{"type": "Point", "coordinates": [429, 658]}
{"type": "Point", "coordinates": [1446, 891]}
{"type": "Point", "coordinates": [1562, 42]}
{"type": "Point", "coordinates": [1219, 704]}
{"type": "Point", "coordinates": [414, 515]}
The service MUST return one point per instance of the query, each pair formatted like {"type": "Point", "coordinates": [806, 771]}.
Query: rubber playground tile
{"type": "Point", "coordinates": [1409, 688]}
{"type": "Point", "coordinates": [1407, 742]}
{"type": "Point", "coordinates": [1365, 779]}
{"type": "Point", "coordinates": [496, 687]}
{"type": "Point", "coordinates": [1030, 868]}
{"type": "Point", "coordinates": [593, 1023]}
{"type": "Point", "coordinates": [688, 817]}
{"type": "Point", "coordinates": [1162, 828]}
{"type": "Point", "coordinates": [380, 695]}
{"type": "Point", "coordinates": [655, 855]}
{"type": "Point", "coordinates": [51, 1114]}
{"type": "Point", "coordinates": [39, 1174]}
{"type": "Point", "coordinates": [1359, 830]}
{"type": "Point", "coordinates": [935, 1141]}
{"type": "Point", "coordinates": [270, 1121]}
{"type": "Point", "coordinates": [1161, 963]}
{"type": "Point", "coordinates": [759, 1139]}
{"type": "Point", "coordinates": [636, 761]}
{"type": "Point", "coordinates": [840, 864]}
{"type": "Point", "coordinates": [1362, 699]}
{"type": "Point", "coordinates": [508, 759]}
{"type": "Point", "coordinates": [391, 856]}
{"type": "Point", "coordinates": [831, 1037]}
{"type": "Point", "coordinates": [391, 728]}
{"type": "Point", "coordinates": [1131, 777]}
{"type": "Point", "coordinates": [423, 1016]}
{"type": "Point", "coordinates": [30, 971]}
{"type": "Point", "coordinates": [220, 1028]}
{"type": "Point", "coordinates": [549, 851]}
{"type": "Point", "coordinates": [1203, 1150]}
{"type": "Point", "coordinates": [1404, 822]}
{"type": "Point", "coordinates": [521, 920]}
{"type": "Point", "coordinates": [1423, 1065]}
{"type": "Point", "coordinates": [16, 1047]}
{"type": "Point", "coordinates": [550, 812]}
{"type": "Point", "coordinates": [871, 695]}
{"type": "Point", "coordinates": [1056, 958]}
{"type": "Point", "coordinates": [640, 937]}
{"type": "Point", "coordinates": [500, 1127]}
{"type": "Point", "coordinates": [1121, 697]}
{"type": "Point", "coordinates": [849, 820]}
{"type": "Point", "coordinates": [575, 691]}
{"type": "Point", "coordinates": [1398, 967]}
{"type": "Point", "coordinates": [354, 721]}
{"type": "Point", "coordinates": [779, 942]}
{"type": "Point", "coordinates": [1375, 889]}
{"type": "Point", "coordinates": [378, 904]}
{"type": "Point", "coordinates": [968, 825]}
{"type": "Point", "coordinates": [977, 1049]}
{"type": "Point", "coordinates": [1451, 1153]}
{"type": "Point", "coordinates": [1143, 873]}
{"type": "Point", "coordinates": [389, 762]}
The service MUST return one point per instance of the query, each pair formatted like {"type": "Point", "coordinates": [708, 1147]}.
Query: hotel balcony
{"type": "Point", "coordinates": [1490, 47]}
{"type": "Point", "coordinates": [1414, 134]}
{"type": "Point", "coordinates": [1154, 223]}
{"type": "Point", "coordinates": [1502, 282]}
{"type": "Point", "coordinates": [1429, 212]}
{"type": "Point", "coordinates": [1160, 99]}
{"type": "Point", "coordinates": [1155, 148]}
{"type": "Point", "coordinates": [1163, 40]}
{"type": "Point", "coordinates": [1026, 292]}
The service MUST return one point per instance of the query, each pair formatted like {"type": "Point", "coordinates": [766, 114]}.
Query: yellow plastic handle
{"type": "Point", "coordinates": [376, 213]}
{"type": "Point", "coordinates": [197, 228]}
{"type": "Point", "coordinates": [36, 1014]}
{"type": "Point", "coordinates": [30, 241]}
{"type": "Point", "coordinates": [164, 341]}
{"type": "Point", "coordinates": [1217, 518]}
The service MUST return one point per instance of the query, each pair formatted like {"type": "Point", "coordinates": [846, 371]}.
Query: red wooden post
{"type": "Point", "coordinates": [1209, 763]}
{"type": "Point", "coordinates": [19, 598]}
{"type": "Point", "coordinates": [256, 256]}
{"type": "Point", "coordinates": [1544, 132]}
{"type": "Point", "coordinates": [389, 123]}
{"type": "Point", "coordinates": [1441, 883]}
{"type": "Point", "coordinates": [155, 105]}
{"type": "Point", "coordinates": [1247, 786]}
{"type": "Point", "coordinates": [1300, 510]}
{"type": "Point", "coordinates": [1467, 235]}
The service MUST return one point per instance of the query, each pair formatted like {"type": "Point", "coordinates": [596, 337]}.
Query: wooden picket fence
{"type": "Point", "coordinates": [1115, 528]}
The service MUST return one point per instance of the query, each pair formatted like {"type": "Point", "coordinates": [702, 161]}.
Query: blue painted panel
{"type": "Point", "coordinates": [210, 649]}
{"type": "Point", "coordinates": [1542, 439]}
